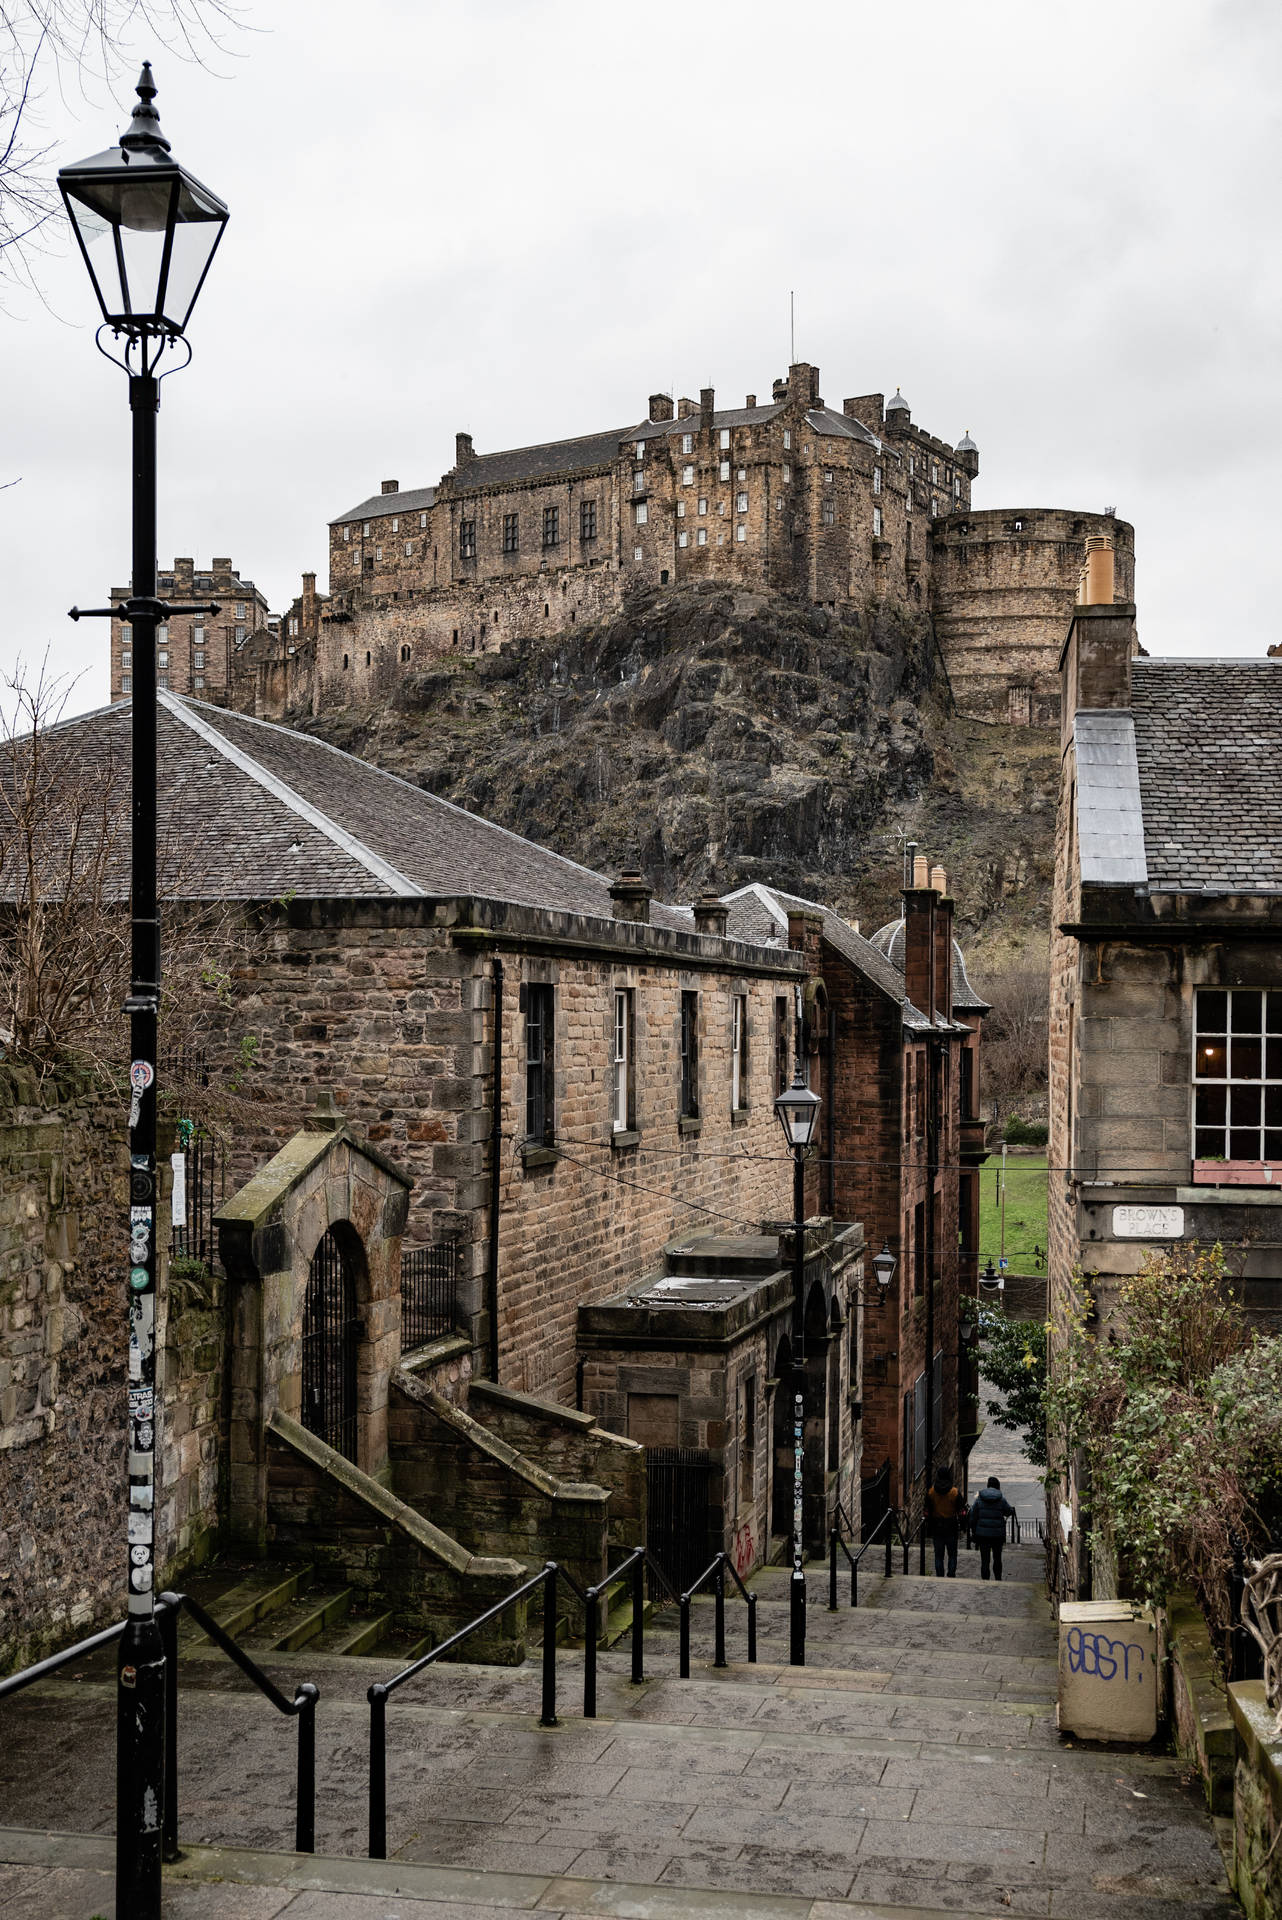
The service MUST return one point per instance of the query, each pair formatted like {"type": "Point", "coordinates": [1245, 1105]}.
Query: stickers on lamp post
{"type": "Point", "coordinates": [141, 1075]}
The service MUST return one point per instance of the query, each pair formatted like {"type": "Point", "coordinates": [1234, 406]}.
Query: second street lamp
{"type": "Point", "coordinates": [798, 1111]}
{"type": "Point", "coordinates": [147, 230]}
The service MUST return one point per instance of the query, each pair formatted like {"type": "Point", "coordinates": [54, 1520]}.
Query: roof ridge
{"type": "Point", "coordinates": [421, 793]}
{"type": "Point", "coordinates": [567, 440]}
{"type": "Point", "coordinates": [272, 783]}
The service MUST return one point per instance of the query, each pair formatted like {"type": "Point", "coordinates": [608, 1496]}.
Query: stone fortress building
{"type": "Point", "coordinates": [854, 507]}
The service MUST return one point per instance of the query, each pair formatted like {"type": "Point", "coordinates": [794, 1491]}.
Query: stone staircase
{"type": "Point", "coordinates": [911, 1769]}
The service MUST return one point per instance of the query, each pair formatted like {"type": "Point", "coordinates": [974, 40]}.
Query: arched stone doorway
{"type": "Point", "coordinates": [332, 1332]}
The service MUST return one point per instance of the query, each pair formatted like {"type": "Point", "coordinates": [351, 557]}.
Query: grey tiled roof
{"type": "Point", "coordinates": [409, 500]}
{"type": "Point", "coordinates": [1208, 741]}
{"type": "Point", "coordinates": [1110, 826]}
{"type": "Point", "coordinates": [536, 463]}
{"type": "Point", "coordinates": [252, 811]}
{"type": "Point", "coordinates": [722, 417]}
{"type": "Point", "coordinates": [840, 426]}
{"type": "Point", "coordinates": [889, 940]}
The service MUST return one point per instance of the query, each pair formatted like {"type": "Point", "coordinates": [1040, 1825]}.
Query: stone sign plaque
{"type": "Point", "coordinates": [1148, 1223]}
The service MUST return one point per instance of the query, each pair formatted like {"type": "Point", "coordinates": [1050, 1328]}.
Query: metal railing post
{"type": "Point", "coordinates": [168, 1623]}
{"type": "Point", "coordinates": [591, 1633]}
{"type": "Point", "coordinates": [377, 1772]}
{"type": "Point", "coordinates": [921, 1549]}
{"type": "Point", "coordinates": [547, 1717]}
{"type": "Point", "coordinates": [903, 1541]}
{"type": "Point", "coordinates": [832, 1571]}
{"type": "Point", "coordinates": [719, 1610]}
{"type": "Point", "coordinates": [752, 1629]}
{"type": "Point", "coordinates": [638, 1620]}
{"type": "Point", "coordinates": [890, 1541]}
{"type": "Point", "coordinates": [685, 1636]}
{"type": "Point", "coordinates": [305, 1802]}
{"type": "Point", "coordinates": [854, 1583]}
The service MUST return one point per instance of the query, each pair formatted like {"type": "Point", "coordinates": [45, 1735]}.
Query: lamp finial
{"type": "Point", "coordinates": [144, 126]}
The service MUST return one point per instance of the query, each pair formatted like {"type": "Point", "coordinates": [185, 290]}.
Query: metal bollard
{"type": "Point", "coordinates": [377, 1772]}
{"type": "Point", "coordinates": [591, 1634]}
{"type": "Point", "coordinates": [685, 1636]}
{"type": "Point", "coordinates": [832, 1571]}
{"type": "Point", "coordinates": [638, 1620]}
{"type": "Point", "coordinates": [305, 1801]}
{"type": "Point", "coordinates": [547, 1717]}
{"type": "Point", "coordinates": [890, 1535]}
{"type": "Point", "coordinates": [752, 1628]}
{"type": "Point", "coordinates": [719, 1593]}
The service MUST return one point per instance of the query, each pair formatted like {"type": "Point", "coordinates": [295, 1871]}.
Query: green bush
{"type": "Point", "coordinates": [1025, 1133]}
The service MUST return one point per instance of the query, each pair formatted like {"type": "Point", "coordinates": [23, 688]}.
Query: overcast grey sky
{"type": "Point", "coordinates": [1053, 225]}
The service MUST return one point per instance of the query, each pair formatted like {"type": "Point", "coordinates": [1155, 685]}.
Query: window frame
{"type": "Point", "coordinates": [540, 1063]}
{"type": "Point", "coordinates": [689, 1048]}
{"type": "Point", "coordinates": [738, 1053]}
{"type": "Point", "coordinates": [511, 533]}
{"type": "Point", "coordinates": [587, 519]}
{"type": "Point", "coordinates": [551, 528]}
{"type": "Point", "coordinates": [1260, 1090]}
{"type": "Point", "coordinates": [467, 539]}
{"type": "Point", "coordinates": [622, 1057]}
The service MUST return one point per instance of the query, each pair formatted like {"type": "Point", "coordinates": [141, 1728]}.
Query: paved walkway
{"type": "Point", "coordinates": [912, 1768]}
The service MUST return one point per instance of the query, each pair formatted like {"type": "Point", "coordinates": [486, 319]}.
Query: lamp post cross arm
{"type": "Point", "coordinates": [141, 608]}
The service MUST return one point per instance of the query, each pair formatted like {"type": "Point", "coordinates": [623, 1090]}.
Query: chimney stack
{"type": "Point", "coordinates": [631, 896]}
{"type": "Point", "coordinates": [919, 938]}
{"type": "Point", "coordinates": [685, 407]}
{"type": "Point", "coordinates": [707, 413]}
{"type": "Point", "coordinates": [943, 945]}
{"type": "Point", "coordinates": [779, 391]}
{"type": "Point", "coordinates": [1095, 663]}
{"type": "Point", "coordinates": [463, 449]}
{"type": "Point", "coordinates": [711, 915]}
{"type": "Point", "coordinates": [661, 406]}
{"type": "Point", "coordinates": [750, 400]}
{"type": "Point", "coordinates": [390, 486]}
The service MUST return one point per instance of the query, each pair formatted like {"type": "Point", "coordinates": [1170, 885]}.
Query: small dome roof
{"type": "Point", "coordinates": [966, 444]}
{"type": "Point", "coordinates": [898, 404]}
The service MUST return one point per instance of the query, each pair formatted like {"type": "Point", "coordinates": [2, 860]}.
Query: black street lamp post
{"type": "Point", "coordinates": [798, 1110]}
{"type": "Point", "coordinates": [147, 230]}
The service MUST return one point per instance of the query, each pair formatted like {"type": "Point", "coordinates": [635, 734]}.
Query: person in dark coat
{"type": "Point", "coordinates": [988, 1516]}
{"type": "Point", "coordinates": [944, 1509]}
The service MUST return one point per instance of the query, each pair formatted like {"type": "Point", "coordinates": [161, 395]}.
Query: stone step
{"type": "Point", "coordinates": [286, 1629]}
{"type": "Point", "coordinates": [354, 1635]}
{"type": "Point", "coordinates": [239, 1607]}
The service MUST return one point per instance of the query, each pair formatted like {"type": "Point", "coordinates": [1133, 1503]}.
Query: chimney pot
{"type": "Point", "coordinates": [921, 870]}
{"type": "Point", "coordinates": [711, 915]}
{"type": "Point", "coordinates": [631, 896]}
{"type": "Point", "coordinates": [1095, 583]}
{"type": "Point", "coordinates": [939, 880]}
{"type": "Point", "coordinates": [390, 486]}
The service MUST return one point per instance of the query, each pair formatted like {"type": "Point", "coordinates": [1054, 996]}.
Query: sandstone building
{"type": "Point", "coordinates": [1166, 958]}
{"type": "Point", "coordinates": [196, 654]}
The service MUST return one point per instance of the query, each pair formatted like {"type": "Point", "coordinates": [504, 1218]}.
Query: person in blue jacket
{"type": "Point", "coordinates": [989, 1513]}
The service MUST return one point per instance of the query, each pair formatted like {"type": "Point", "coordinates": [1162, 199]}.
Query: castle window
{"type": "Point", "coordinates": [687, 476]}
{"type": "Point", "coordinates": [347, 662]}
{"type": "Point", "coordinates": [934, 507]}
{"type": "Point", "coordinates": [347, 533]}
{"type": "Point", "coordinates": [369, 563]}
{"type": "Point", "coordinates": [725, 469]}
{"type": "Point", "coordinates": [908, 500]}
{"type": "Point", "coordinates": [409, 549]}
{"type": "Point", "coordinates": [466, 540]}
{"type": "Point", "coordinates": [703, 506]}
{"type": "Point", "coordinates": [198, 661]}
{"type": "Point", "coordinates": [683, 539]}
{"type": "Point", "coordinates": [642, 512]}
{"type": "Point", "coordinates": [367, 529]}
{"type": "Point", "coordinates": [638, 480]}
{"type": "Point", "coordinates": [787, 437]}
{"type": "Point", "coordinates": [368, 657]}
{"type": "Point", "coordinates": [956, 486]}
{"type": "Point", "coordinates": [636, 553]}
{"type": "Point", "coordinates": [511, 533]}
{"type": "Point", "coordinates": [396, 524]}
{"type": "Point", "coordinates": [681, 509]}
{"type": "Point", "coordinates": [1019, 526]}
{"type": "Point", "coordinates": [934, 473]}
{"type": "Point", "coordinates": [687, 443]}
{"type": "Point", "coordinates": [912, 466]}
{"type": "Point", "coordinates": [876, 523]}
{"type": "Point", "coordinates": [876, 479]}
{"type": "Point", "coordinates": [948, 473]}
{"type": "Point", "coordinates": [587, 519]}
{"type": "Point", "coordinates": [551, 526]}
{"type": "Point", "coordinates": [741, 503]}
{"type": "Point", "coordinates": [701, 538]}
{"type": "Point", "coordinates": [827, 476]}
{"type": "Point", "coordinates": [405, 653]}
{"type": "Point", "coordinates": [422, 521]}
{"type": "Point", "coordinates": [725, 436]}
{"type": "Point", "coordinates": [787, 476]}
{"type": "Point", "coordinates": [126, 683]}
{"type": "Point", "coordinates": [721, 539]}
{"type": "Point", "coordinates": [640, 449]}
{"type": "Point", "coordinates": [742, 474]}
{"type": "Point", "coordinates": [378, 553]}
{"type": "Point", "coordinates": [126, 660]}
{"type": "Point", "coordinates": [741, 532]}
{"type": "Point", "coordinates": [829, 513]}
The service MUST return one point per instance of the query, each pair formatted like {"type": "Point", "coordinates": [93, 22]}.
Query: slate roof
{"type": "Point", "coordinates": [889, 940]}
{"type": "Point", "coordinates": [252, 811]}
{"type": "Point", "coordinates": [840, 426]}
{"type": "Point", "coordinates": [727, 417]}
{"type": "Point", "coordinates": [1208, 742]}
{"type": "Point", "coordinates": [409, 500]}
{"type": "Point", "coordinates": [1110, 823]}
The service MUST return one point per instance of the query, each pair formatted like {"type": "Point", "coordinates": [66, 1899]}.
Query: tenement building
{"type": "Point", "coordinates": [1166, 984]}
{"type": "Point", "coordinates": [196, 654]}
{"type": "Point", "coordinates": [830, 504]}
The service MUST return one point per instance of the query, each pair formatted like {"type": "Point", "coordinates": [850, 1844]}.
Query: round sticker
{"type": "Point", "coordinates": [146, 1434]}
{"type": "Point", "coordinates": [141, 1075]}
{"type": "Point", "coordinates": [138, 1277]}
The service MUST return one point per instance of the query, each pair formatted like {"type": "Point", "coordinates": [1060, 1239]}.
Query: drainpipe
{"type": "Point", "coordinates": [932, 1272]}
{"type": "Point", "coordinates": [496, 1162]}
{"type": "Point", "coordinates": [830, 1094]}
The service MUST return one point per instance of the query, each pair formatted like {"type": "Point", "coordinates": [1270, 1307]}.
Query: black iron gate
{"type": "Point", "coordinates": [679, 1511]}
{"type": "Point", "coordinates": [427, 1293]}
{"type": "Point", "coordinates": [874, 1499]}
{"type": "Point", "coordinates": [201, 1164]}
{"type": "Point", "coordinates": [331, 1335]}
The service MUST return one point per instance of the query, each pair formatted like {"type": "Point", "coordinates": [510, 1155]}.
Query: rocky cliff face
{"type": "Point", "coordinates": [718, 737]}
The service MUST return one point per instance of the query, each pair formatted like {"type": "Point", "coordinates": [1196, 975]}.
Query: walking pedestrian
{"type": "Point", "coordinates": [988, 1516]}
{"type": "Point", "coordinates": [944, 1508]}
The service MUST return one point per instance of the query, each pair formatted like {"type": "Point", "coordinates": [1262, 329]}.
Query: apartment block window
{"type": "Point", "coordinates": [966, 1088]}
{"type": "Point", "coordinates": [876, 479]}
{"type": "Point", "coordinates": [587, 519]}
{"type": "Point", "coordinates": [422, 521]}
{"type": "Point", "coordinates": [919, 1247]}
{"type": "Point", "coordinates": [725, 436]}
{"type": "Point", "coordinates": [687, 443]}
{"type": "Point", "coordinates": [703, 505]}
{"type": "Point", "coordinates": [741, 473]}
{"type": "Point", "coordinates": [162, 681]}
{"type": "Point", "coordinates": [725, 469]}
{"type": "Point", "coordinates": [683, 539]}
{"type": "Point", "coordinates": [126, 683]}
{"type": "Point", "coordinates": [689, 1056]}
{"type": "Point", "coordinates": [741, 532]}
{"type": "Point", "coordinates": [198, 681]}
{"type": "Point", "coordinates": [551, 526]}
{"type": "Point", "coordinates": [638, 480]}
{"type": "Point", "coordinates": [739, 1052]}
{"type": "Point", "coordinates": [240, 610]}
{"type": "Point", "coordinates": [701, 538]}
{"type": "Point", "coordinates": [828, 513]}
{"type": "Point", "coordinates": [511, 533]}
{"type": "Point", "coordinates": [378, 553]}
{"type": "Point", "coordinates": [876, 523]}
{"type": "Point", "coordinates": [787, 436]}
{"type": "Point", "coordinates": [681, 509]}
{"type": "Point", "coordinates": [466, 540]}
{"type": "Point", "coordinates": [539, 1063]}
{"type": "Point", "coordinates": [162, 660]}
{"type": "Point", "coordinates": [162, 636]}
{"type": "Point", "coordinates": [642, 512]}
{"type": "Point", "coordinates": [198, 662]}
{"type": "Point", "coordinates": [687, 476]}
{"type": "Point", "coordinates": [621, 1092]}
{"type": "Point", "coordinates": [1237, 1075]}
{"type": "Point", "coordinates": [919, 1427]}
{"type": "Point", "coordinates": [741, 503]}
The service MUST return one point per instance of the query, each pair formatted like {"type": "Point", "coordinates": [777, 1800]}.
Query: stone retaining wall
{"type": "Point", "coordinates": [1257, 1802]}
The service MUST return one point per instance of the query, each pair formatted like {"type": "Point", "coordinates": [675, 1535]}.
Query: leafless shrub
{"type": "Point", "coordinates": [1014, 1052]}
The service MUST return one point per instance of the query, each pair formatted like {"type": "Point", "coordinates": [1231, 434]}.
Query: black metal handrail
{"type": "Point", "coordinates": [835, 1542]}
{"type": "Point", "coordinates": [303, 1705]}
{"type": "Point", "coordinates": [380, 1691]}
{"type": "Point", "coordinates": [716, 1572]}
{"type": "Point", "coordinates": [635, 1565]}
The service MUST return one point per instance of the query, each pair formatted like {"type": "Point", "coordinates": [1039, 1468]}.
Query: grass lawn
{"type": "Point", "coordinates": [1025, 1211]}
